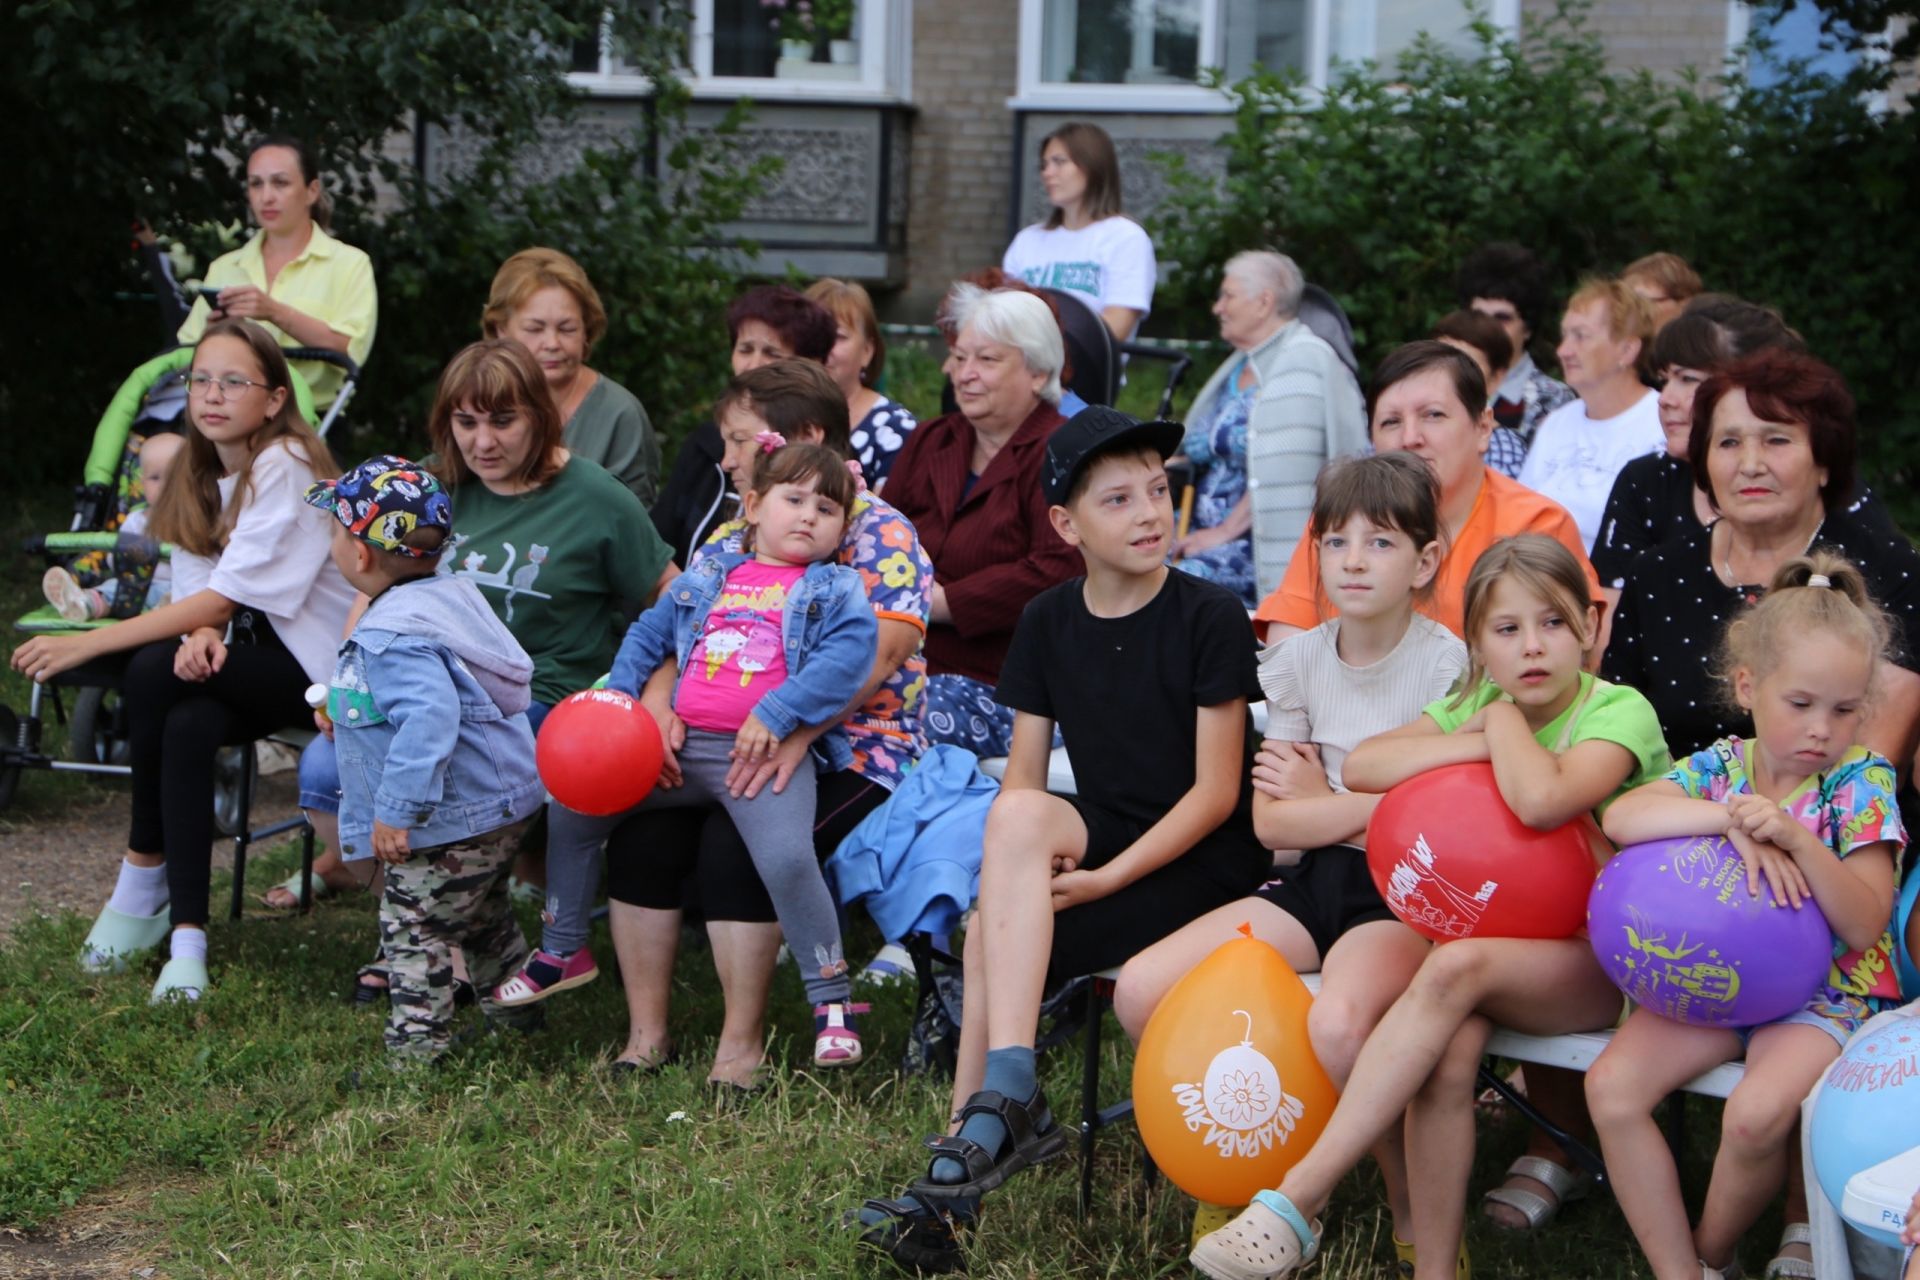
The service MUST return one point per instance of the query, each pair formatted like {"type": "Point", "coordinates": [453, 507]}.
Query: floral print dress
{"type": "Point", "coordinates": [1218, 450]}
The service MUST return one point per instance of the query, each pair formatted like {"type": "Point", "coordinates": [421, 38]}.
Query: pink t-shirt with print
{"type": "Point", "coordinates": [739, 655]}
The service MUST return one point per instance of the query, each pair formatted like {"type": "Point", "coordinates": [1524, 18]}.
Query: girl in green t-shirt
{"type": "Point", "coordinates": [1562, 745]}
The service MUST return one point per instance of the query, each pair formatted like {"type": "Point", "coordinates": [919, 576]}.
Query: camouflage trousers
{"type": "Point", "coordinates": [450, 895]}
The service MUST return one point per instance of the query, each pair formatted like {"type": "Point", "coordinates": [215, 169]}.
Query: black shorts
{"type": "Point", "coordinates": [1329, 891]}
{"type": "Point", "coordinates": [1097, 935]}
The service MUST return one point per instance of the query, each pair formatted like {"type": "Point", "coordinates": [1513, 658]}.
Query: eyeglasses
{"type": "Point", "coordinates": [231, 384]}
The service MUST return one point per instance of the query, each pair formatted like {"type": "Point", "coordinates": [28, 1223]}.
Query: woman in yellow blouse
{"type": "Point", "coordinates": [307, 288]}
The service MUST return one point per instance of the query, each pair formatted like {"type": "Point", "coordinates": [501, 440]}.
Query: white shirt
{"type": "Point", "coordinates": [1108, 263]}
{"type": "Point", "coordinates": [277, 561]}
{"type": "Point", "coordinates": [1575, 459]}
{"type": "Point", "coordinates": [1313, 695]}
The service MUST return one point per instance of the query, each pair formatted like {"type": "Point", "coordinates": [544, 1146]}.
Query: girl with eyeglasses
{"type": "Point", "coordinates": [258, 610]}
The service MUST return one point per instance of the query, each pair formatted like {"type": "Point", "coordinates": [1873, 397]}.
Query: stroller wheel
{"type": "Point", "coordinates": [9, 772]}
{"type": "Point", "coordinates": [96, 728]}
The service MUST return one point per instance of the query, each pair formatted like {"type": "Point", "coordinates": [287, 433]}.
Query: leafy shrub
{"type": "Point", "coordinates": [1800, 195]}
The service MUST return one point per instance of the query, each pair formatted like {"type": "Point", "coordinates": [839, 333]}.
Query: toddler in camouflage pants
{"type": "Point", "coordinates": [427, 709]}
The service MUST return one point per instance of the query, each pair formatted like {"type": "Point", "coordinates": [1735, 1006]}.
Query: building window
{"type": "Point", "coordinates": [1152, 54]}
{"type": "Point", "coordinates": [772, 50]}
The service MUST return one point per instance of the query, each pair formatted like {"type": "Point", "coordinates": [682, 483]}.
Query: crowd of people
{"type": "Point", "coordinates": [1654, 595]}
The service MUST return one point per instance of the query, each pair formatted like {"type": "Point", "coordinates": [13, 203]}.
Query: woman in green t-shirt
{"type": "Point", "coordinates": [543, 300]}
{"type": "Point", "coordinates": [563, 552]}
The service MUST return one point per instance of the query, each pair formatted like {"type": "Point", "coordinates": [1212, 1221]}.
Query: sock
{"type": "Point", "coordinates": [140, 891]}
{"type": "Point", "coordinates": [189, 944]}
{"type": "Point", "coordinates": [1010, 1071]}
{"type": "Point", "coordinates": [547, 967]}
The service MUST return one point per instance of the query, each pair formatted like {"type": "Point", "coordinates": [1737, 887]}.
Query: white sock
{"type": "Point", "coordinates": [189, 944]}
{"type": "Point", "coordinates": [140, 891]}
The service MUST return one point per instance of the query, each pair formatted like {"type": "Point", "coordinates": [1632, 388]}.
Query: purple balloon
{"type": "Point", "coordinates": [1675, 928]}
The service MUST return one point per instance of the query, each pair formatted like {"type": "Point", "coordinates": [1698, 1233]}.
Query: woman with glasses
{"type": "Point", "coordinates": [258, 610]}
{"type": "Point", "coordinates": [303, 286]}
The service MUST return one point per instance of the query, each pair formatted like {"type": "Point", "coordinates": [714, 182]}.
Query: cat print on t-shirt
{"type": "Point", "coordinates": [507, 578]}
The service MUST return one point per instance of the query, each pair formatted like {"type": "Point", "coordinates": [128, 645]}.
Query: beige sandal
{"type": "Point", "coordinates": [1785, 1268]}
{"type": "Point", "coordinates": [1270, 1239]}
{"type": "Point", "coordinates": [1566, 1185]}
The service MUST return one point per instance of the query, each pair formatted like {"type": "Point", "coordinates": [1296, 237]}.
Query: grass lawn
{"type": "Point", "coordinates": [232, 1128]}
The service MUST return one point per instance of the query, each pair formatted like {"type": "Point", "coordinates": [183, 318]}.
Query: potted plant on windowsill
{"type": "Point", "coordinates": [814, 31]}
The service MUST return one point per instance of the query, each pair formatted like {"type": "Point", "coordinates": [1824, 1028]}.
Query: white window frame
{"type": "Point", "coordinates": [1037, 94]}
{"type": "Point", "coordinates": [886, 64]}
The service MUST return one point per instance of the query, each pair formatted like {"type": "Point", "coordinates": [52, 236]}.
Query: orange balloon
{"type": "Point", "coordinates": [1226, 1090]}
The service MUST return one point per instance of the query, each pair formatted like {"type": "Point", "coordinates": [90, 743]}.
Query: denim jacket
{"type": "Point", "coordinates": [827, 629]}
{"type": "Point", "coordinates": [428, 704]}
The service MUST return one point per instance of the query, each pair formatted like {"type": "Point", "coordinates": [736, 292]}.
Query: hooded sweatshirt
{"type": "Point", "coordinates": [428, 702]}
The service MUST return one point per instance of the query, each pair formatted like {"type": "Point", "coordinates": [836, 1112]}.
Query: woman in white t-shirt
{"type": "Point", "coordinates": [1087, 247]}
{"type": "Point", "coordinates": [1579, 448]}
{"type": "Point", "coordinates": [257, 614]}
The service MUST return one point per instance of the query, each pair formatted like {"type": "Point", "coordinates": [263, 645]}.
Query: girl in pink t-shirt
{"type": "Point", "coordinates": [765, 644]}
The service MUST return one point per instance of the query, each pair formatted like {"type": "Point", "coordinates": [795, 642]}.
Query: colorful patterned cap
{"type": "Point", "coordinates": [383, 500]}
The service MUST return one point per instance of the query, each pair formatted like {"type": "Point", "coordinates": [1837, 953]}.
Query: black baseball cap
{"type": "Point", "coordinates": [1095, 430]}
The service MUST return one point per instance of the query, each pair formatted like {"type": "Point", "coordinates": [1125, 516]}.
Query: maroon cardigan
{"type": "Point", "coordinates": [992, 551]}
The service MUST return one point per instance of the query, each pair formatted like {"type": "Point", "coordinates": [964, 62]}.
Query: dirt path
{"type": "Point", "coordinates": [104, 1239]}
{"type": "Point", "coordinates": [68, 861]}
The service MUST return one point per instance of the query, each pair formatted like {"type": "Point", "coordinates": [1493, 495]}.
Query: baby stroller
{"type": "Point", "coordinates": [151, 399]}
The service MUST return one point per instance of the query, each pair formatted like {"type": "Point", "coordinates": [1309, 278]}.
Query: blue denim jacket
{"type": "Point", "coordinates": [428, 703]}
{"type": "Point", "coordinates": [827, 629]}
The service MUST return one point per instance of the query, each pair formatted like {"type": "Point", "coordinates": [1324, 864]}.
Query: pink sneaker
{"type": "Point", "coordinates": [836, 1041]}
{"type": "Point", "coordinates": [543, 974]}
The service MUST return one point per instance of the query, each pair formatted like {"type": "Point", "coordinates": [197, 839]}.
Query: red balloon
{"type": "Point", "coordinates": [1452, 861]}
{"type": "Point", "coordinates": [599, 752]}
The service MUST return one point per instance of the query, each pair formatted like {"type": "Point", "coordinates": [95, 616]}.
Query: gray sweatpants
{"type": "Point", "coordinates": [777, 829]}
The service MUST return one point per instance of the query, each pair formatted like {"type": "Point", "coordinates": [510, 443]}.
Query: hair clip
{"type": "Point", "coordinates": [1819, 580]}
{"type": "Point", "coordinates": [769, 441]}
{"type": "Point", "coordinates": [859, 476]}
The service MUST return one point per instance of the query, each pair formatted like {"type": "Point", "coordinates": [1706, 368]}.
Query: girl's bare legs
{"type": "Point", "coordinates": [1559, 1095]}
{"type": "Point", "coordinates": [1783, 1061]}
{"type": "Point", "coordinates": [1649, 1058]}
{"type": "Point", "coordinates": [1454, 982]}
{"type": "Point", "coordinates": [1439, 1151]}
{"type": "Point", "coordinates": [1366, 970]}
{"type": "Point", "coordinates": [646, 941]}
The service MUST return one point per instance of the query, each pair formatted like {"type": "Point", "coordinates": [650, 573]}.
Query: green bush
{"type": "Point", "coordinates": [1801, 195]}
{"type": "Point", "coordinates": [137, 108]}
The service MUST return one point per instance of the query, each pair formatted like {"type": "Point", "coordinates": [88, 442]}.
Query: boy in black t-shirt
{"type": "Point", "coordinates": [1148, 673]}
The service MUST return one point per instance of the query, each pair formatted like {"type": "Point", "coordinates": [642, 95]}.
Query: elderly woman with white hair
{"type": "Point", "coordinates": [1261, 428]}
{"type": "Point", "coordinates": [970, 483]}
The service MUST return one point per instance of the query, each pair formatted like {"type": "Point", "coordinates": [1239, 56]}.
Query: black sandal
{"type": "Point", "coordinates": [918, 1236]}
{"type": "Point", "coordinates": [1032, 1136]}
{"type": "Point", "coordinates": [364, 992]}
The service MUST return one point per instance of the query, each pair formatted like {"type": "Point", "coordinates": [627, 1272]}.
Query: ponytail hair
{"type": "Point", "coordinates": [1818, 591]}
